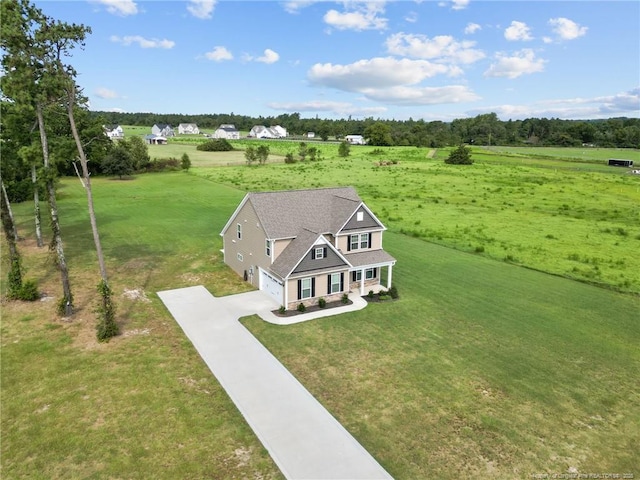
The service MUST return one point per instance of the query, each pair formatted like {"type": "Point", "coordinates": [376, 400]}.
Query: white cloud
{"type": "Point", "coordinates": [269, 57]}
{"type": "Point", "coordinates": [102, 92]}
{"type": "Point", "coordinates": [455, 4]}
{"type": "Point", "coordinates": [219, 54]}
{"type": "Point", "coordinates": [440, 48]}
{"type": "Point", "coordinates": [411, 17]}
{"type": "Point", "coordinates": [294, 6]}
{"type": "Point", "coordinates": [201, 8]}
{"type": "Point", "coordinates": [518, 31]}
{"type": "Point", "coordinates": [567, 29]}
{"type": "Point", "coordinates": [621, 104]}
{"type": "Point", "coordinates": [402, 95]}
{"type": "Point", "coordinates": [143, 42]}
{"type": "Point", "coordinates": [338, 108]}
{"type": "Point", "coordinates": [119, 7]}
{"type": "Point", "coordinates": [116, 109]}
{"type": "Point", "coordinates": [472, 28]}
{"type": "Point", "coordinates": [520, 63]}
{"type": "Point", "coordinates": [381, 72]}
{"type": "Point", "coordinates": [357, 16]}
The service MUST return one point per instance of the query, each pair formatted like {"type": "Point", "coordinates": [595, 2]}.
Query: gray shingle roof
{"type": "Point", "coordinates": [369, 257]}
{"type": "Point", "coordinates": [285, 214]}
{"type": "Point", "coordinates": [289, 258]}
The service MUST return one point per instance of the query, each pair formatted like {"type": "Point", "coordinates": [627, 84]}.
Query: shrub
{"type": "Point", "coordinates": [301, 307]}
{"type": "Point", "coordinates": [345, 298]}
{"type": "Point", "coordinates": [282, 310]}
{"type": "Point", "coordinates": [289, 158]}
{"type": "Point", "coordinates": [163, 164]}
{"type": "Point", "coordinates": [322, 303]}
{"type": "Point", "coordinates": [479, 249]}
{"type": "Point", "coordinates": [15, 279]}
{"type": "Point", "coordinates": [29, 291]}
{"type": "Point", "coordinates": [216, 145]}
{"type": "Point", "coordinates": [460, 156]}
{"type": "Point", "coordinates": [393, 292]}
{"type": "Point", "coordinates": [185, 162]}
{"type": "Point", "coordinates": [370, 294]}
{"type": "Point", "coordinates": [383, 297]}
{"type": "Point", "coordinates": [107, 326]}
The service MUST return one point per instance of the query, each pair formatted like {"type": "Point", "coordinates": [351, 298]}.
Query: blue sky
{"type": "Point", "coordinates": [432, 60]}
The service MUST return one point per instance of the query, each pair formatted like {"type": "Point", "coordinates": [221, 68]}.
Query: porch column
{"type": "Point", "coordinates": [389, 277]}
{"type": "Point", "coordinates": [362, 282]}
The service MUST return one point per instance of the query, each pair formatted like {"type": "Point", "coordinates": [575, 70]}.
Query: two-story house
{"type": "Point", "coordinates": [303, 245]}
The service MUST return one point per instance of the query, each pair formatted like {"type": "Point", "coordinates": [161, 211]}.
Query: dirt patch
{"type": "Point", "coordinates": [136, 294]}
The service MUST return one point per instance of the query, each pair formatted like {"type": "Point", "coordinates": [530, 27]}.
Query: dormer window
{"type": "Point", "coordinates": [319, 253]}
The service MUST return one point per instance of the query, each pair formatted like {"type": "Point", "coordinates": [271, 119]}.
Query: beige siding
{"type": "Point", "coordinates": [251, 245]}
{"type": "Point", "coordinates": [320, 291]}
{"type": "Point", "coordinates": [279, 247]}
{"type": "Point", "coordinates": [376, 242]}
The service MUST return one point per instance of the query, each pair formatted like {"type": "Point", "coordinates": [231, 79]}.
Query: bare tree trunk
{"type": "Point", "coordinates": [14, 283]}
{"type": "Point", "coordinates": [55, 224]}
{"type": "Point", "coordinates": [10, 213]}
{"type": "Point", "coordinates": [86, 181]}
{"type": "Point", "coordinates": [36, 207]}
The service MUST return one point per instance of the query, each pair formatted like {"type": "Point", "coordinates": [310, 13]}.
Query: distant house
{"type": "Point", "coordinates": [260, 131]}
{"type": "Point", "coordinates": [114, 132]}
{"type": "Point", "coordinates": [163, 130]}
{"type": "Point", "coordinates": [617, 162]}
{"type": "Point", "coordinates": [227, 131]}
{"type": "Point", "coordinates": [188, 129]}
{"type": "Point", "coordinates": [355, 139]}
{"type": "Point", "coordinates": [311, 134]}
{"type": "Point", "coordinates": [153, 139]}
{"type": "Point", "coordinates": [299, 246]}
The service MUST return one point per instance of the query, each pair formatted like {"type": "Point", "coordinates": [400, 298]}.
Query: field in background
{"type": "Point", "coordinates": [481, 368]}
{"type": "Point", "coordinates": [578, 220]}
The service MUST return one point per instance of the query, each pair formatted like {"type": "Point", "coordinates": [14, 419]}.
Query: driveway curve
{"type": "Point", "coordinates": [302, 437]}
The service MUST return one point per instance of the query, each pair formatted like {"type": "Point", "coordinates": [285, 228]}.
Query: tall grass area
{"type": "Point", "coordinates": [577, 220]}
{"type": "Point", "coordinates": [481, 368]}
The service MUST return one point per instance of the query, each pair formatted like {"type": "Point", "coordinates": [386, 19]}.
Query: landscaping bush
{"type": "Point", "coordinates": [393, 292]}
{"type": "Point", "coordinates": [345, 298]}
{"type": "Point", "coordinates": [301, 307]}
{"type": "Point", "coordinates": [282, 310]}
{"type": "Point", "coordinates": [322, 303]}
{"type": "Point", "coordinates": [29, 291]}
{"type": "Point", "coordinates": [163, 164]}
{"type": "Point", "coordinates": [216, 145]}
{"type": "Point", "coordinates": [370, 294]}
{"type": "Point", "coordinates": [383, 297]}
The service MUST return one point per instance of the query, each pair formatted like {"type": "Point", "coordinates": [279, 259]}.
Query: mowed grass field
{"type": "Point", "coordinates": [481, 368]}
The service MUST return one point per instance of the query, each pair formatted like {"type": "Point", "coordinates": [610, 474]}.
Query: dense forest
{"type": "Point", "coordinates": [484, 129]}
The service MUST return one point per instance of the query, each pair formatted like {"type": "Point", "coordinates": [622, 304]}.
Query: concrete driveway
{"type": "Point", "coordinates": [302, 437]}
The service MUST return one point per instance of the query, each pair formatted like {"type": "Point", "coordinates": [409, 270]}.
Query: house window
{"type": "Point", "coordinates": [370, 273]}
{"type": "Point", "coordinates": [267, 249]}
{"type": "Point", "coordinates": [356, 276]}
{"type": "Point", "coordinates": [336, 283]}
{"type": "Point", "coordinates": [305, 288]}
{"type": "Point", "coordinates": [319, 253]}
{"type": "Point", "coordinates": [239, 231]}
{"type": "Point", "coordinates": [358, 241]}
{"type": "Point", "coordinates": [364, 240]}
{"type": "Point", "coordinates": [240, 257]}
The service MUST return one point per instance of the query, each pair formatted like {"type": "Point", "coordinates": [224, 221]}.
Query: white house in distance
{"type": "Point", "coordinates": [114, 132]}
{"type": "Point", "coordinates": [188, 129]}
{"type": "Point", "coordinates": [227, 131]}
{"type": "Point", "coordinates": [355, 139]}
{"type": "Point", "coordinates": [163, 130]}
{"type": "Point", "coordinates": [260, 131]}
{"type": "Point", "coordinates": [299, 246]}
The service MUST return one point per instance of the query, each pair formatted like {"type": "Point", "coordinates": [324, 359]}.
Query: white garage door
{"type": "Point", "coordinates": [270, 285]}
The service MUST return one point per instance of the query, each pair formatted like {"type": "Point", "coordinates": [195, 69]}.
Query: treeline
{"type": "Point", "coordinates": [484, 129]}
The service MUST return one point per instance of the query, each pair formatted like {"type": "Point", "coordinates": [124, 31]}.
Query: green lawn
{"type": "Point", "coordinates": [481, 368]}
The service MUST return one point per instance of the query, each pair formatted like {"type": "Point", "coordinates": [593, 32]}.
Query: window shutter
{"type": "Point", "coordinates": [375, 272]}
{"type": "Point", "coordinates": [329, 283]}
{"type": "Point", "coordinates": [313, 287]}
{"type": "Point", "coordinates": [369, 240]}
{"type": "Point", "coordinates": [353, 276]}
{"type": "Point", "coordinates": [342, 282]}
{"type": "Point", "coordinates": [299, 289]}
{"type": "Point", "coordinates": [349, 243]}
{"type": "Point", "coordinates": [313, 253]}
{"type": "Point", "coordinates": [325, 252]}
